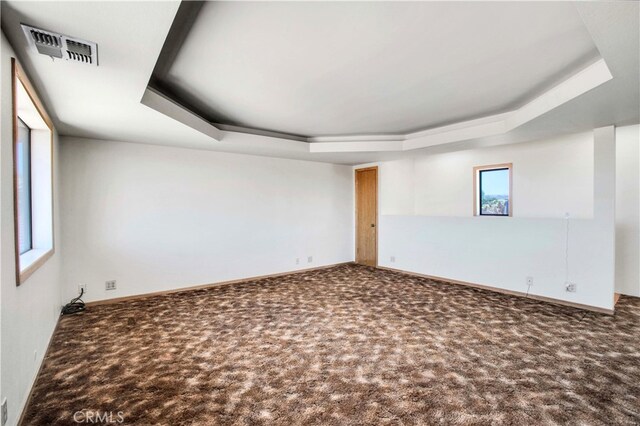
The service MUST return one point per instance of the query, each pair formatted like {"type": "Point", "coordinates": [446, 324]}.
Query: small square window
{"type": "Point", "coordinates": [492, 190]}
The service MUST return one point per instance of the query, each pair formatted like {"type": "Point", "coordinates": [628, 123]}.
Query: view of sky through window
{"type": "Point", "coordinates": [494, 192]}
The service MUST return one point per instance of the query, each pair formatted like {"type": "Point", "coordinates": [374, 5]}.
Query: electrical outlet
{"type": "Point", "coordinates": [529, 281]}
{"type": "Point", "coordinates": [110, 285]}
{"type": "Point", "coordinates": [297, 260]}
{"type": "Point", "coordinates": [571, 287]}
{"type": "Point", "coordinates": [35, 356]}
{"type": "Point", "coordinates": [392, 259]}
{"type": "Point", "coordinates": [309, 259]}
{"type": "Point", "coordinates": [5, 412]}
{"type": "Point", "coordinates": [82, 288]}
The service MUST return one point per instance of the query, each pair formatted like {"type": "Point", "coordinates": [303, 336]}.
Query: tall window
{"type": "Point", "coordinates": [23, 187]}
{"type": "Point", "coordinates": [33, 178]}
{"type": "Point", "coordinates": [492, 190]}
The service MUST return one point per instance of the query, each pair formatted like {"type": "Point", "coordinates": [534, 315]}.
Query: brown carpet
{"type": "Point", "coordinates": [343, 346]}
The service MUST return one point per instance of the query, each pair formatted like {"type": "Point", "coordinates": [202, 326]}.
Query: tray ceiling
{"type": "Point", "coordinates": [348, 90]}
{"type": "Point", "coordinates": [370, 68]}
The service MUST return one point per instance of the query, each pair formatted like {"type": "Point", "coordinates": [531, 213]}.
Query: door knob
{"type": "Point", "coordinates": [373, 225]}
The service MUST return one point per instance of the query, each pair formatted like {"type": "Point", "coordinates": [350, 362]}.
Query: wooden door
{"type": "Point", "coordinates": [367, 216]}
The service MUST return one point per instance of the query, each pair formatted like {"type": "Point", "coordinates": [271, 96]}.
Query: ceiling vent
{"type": "Point", "coordinates": [61, 46]}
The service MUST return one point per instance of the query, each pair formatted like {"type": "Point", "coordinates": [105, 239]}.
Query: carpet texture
{"type": "Point", "coordinates": [347, 345]}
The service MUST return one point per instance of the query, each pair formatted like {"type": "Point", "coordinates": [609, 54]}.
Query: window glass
{"type": "Point", "coordinates": [494, 192]}
{"type": "Point", "coordinates": [23, 171]}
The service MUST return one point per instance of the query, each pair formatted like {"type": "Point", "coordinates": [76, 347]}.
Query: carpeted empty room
{"type": "Point", "coordinates": [319, 212]}
{"type": "Point", "coordinates": [344, 345]}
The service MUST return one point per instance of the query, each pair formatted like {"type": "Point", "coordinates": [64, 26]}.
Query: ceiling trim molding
{"type": "Point", "coordinates": [584, 80]}
{"type": "Point", "coordinates": [186, 16]}
{"type": "Point", "coordinates": [260, 132]}
{"type": "Point", "coordinates": [167, 106]}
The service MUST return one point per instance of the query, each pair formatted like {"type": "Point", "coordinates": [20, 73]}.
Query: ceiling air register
{"type": "Point", "coordinates": [61, 46]}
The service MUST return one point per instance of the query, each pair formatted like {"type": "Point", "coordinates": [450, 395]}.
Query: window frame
{"type": "Point", "coordinates": [477, 181]}
{"type": "Point", "coordinates": [37, 257]}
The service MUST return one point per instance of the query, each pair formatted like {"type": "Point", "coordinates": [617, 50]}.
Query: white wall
{"type": "Point", "coordinates": [427, 220]}
{"type": "Point", "coordinates": [397, 187]}
{"type": "Point", "coordinates": [550, 177]}
{"type": "Point", "coordinates": [29, 312]}
{"type": "Point", "coordinates": [628, 210]}
{"type": "Point", "coordinates": [157, 218]}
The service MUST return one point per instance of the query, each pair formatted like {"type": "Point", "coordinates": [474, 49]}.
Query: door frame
{"type": "Point", "coordinates": [355, 185]}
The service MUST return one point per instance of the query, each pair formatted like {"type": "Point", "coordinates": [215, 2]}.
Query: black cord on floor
{"type": "Point", "coordinates": [75, 306]}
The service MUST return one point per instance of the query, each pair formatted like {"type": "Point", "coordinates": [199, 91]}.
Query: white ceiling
{"type": "Point", "coordinates": [104, 102]}
{"type": "Point", "coordinates": [343, 68]}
